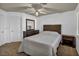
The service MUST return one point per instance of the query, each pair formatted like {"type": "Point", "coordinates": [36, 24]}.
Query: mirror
{"type": "Point", "coordinates": [30, 24]}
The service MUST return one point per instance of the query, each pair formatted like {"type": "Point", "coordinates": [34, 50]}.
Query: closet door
{"type": "Point", "coordinates": [15, 28]}
{"type": "Point", "coordinates": [2, 21]}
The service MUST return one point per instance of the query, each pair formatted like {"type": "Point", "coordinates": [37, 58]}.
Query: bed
{"type": "Point", "coordinates": [44, 43]}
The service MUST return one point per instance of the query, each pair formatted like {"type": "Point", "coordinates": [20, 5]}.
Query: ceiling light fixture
{"type": "Point", "coordinates": [36, 13]}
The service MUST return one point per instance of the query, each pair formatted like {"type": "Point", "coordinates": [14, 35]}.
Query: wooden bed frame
{"type": "Point", "coordinates": [56, 28]}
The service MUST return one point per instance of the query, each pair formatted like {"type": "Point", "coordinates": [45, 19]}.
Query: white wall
{"type": "Point", "coordinates": [66, 19]}
{"type": "Point", "coordinates": [77, 19]}
{"type": "Point", "coordinates": [24, 16]}
{"type": "Point", "coordinates": [2, 11]}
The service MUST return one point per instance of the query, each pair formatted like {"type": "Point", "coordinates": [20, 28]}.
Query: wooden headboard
{"type": "Point", "coordinates": [56, 28]}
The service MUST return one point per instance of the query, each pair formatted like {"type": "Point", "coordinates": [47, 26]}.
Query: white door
{"type": "Point", "coordinates": [10, 28]}
{"type": "Point", "coordinates": [15, 28]}
{"type": "Point", "coordinates": [2, 21]}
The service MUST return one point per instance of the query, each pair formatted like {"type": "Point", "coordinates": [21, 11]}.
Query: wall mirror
{"type": "Point", "coordinates": [30, 24]}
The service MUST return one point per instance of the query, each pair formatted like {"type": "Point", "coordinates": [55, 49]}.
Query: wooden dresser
{"type": "Point", "coordinates": [30, 33]}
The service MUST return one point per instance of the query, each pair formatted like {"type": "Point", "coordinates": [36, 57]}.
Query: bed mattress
{"type": "Point", "coordinates": [43, 44]}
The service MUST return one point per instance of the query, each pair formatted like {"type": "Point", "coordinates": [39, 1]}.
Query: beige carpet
{"type": "Point", "coordinates": [11, 49]}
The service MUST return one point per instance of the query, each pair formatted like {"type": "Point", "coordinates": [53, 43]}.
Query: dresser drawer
{"type": "Point", "coordinates": [36, 32]}
{"type": "Point", "coordinates": [30, 33]}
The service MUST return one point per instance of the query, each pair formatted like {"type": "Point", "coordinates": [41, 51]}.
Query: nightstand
{"type": "Point", "coordinates": [69, 40]}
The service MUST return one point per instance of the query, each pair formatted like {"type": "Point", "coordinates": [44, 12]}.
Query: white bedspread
{"type": "Point", "coordinates": [43, 44]}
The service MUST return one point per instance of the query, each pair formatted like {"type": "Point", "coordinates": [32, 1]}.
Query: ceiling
{"type": "Point", "coordinates": [38, 9]}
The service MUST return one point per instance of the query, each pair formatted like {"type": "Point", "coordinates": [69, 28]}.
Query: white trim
{"type": "Point", "coordinates": [77, 24]}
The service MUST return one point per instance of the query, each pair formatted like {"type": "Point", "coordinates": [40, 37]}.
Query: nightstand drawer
{"type": "Point", "coordinates": [68, 42]}
{"type": "Point", "coordinates": [68, 37]}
